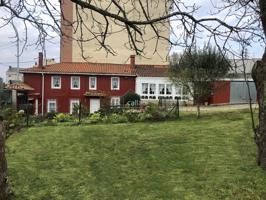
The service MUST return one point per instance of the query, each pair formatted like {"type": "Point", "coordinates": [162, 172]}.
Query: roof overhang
{"type": "Point", "coordinates": [19, 87]}
{"type": "Point", "coordinates": [79, 73]}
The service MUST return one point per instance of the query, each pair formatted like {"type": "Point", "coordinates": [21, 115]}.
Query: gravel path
{"type": "Point", "coordinates": [217, 107]}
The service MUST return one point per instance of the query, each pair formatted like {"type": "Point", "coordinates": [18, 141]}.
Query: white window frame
{"type": "Point", "coordinates": [72, 88]}
{"type": "Point", "coordinates": [115, 99]}
{"type": "Point", "coordinates": [142, 88]}
{"type": "Point", "coordinates": [90, 78]}
{"type": "Point", "coordinates": [52, 82]}
{"type": "Point", "coordinates": [48, 105]}
{"type": "Point", "coordinates": [118, 83]}
{"type": "Point", "coordinates": [71, 107]}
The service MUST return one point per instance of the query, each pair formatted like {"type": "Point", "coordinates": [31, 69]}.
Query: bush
{"type": "Point", "coordinates": [35, 119]}
{"type": "Point", "coordinates": [61, 117]}
{"type": "Point", "coordinates": [151, 108]}
{"type": "Point", "coordinates": [95, 118]}
{"type": "Point", "coordinates": [14, 120]}
{"type": "Point", "coordinates": [117, 118]}
{"type": "Point", "coordinates": [158, 116]}
{"type": "Point", "coordinates": [50, 115]}
{"type": "Point", "coordinates": [130, 98]}
{"type": "Point", "coordinates": [142, 117]}
{"type": "Point", "coordinates": [132, 115]}
{"type": "Point", "coordinates": [108, 111]}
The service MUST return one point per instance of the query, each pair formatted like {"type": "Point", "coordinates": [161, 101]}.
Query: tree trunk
{"type": "Point", "coordinates": [3, 166]}
{"type": "Point", "coordinates": [198, 110]}
{"type": "Point", "coordinates": [259, 74]}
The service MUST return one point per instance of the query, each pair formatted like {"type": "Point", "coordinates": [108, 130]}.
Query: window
{"type": "Point", "coordinates": [178, 90]}
{"type": "Point", "coordinates": [56, 82]}
{"type": "Point", "coordinates": [145, 88]}
{"type": "Point", "coordinates": [74, 104]}
{"type": "Point", "coordinates": [162, 88]}
{"type": "Point", "coordinates": [169, 89]}
{"type": "Point", "coordinates": [115, 101]}
{"type": "Point", "coordinates": [152, 88]}
{"type": "Point", "coordinates": [93, 83]}
{"type": "Point", "coordinates": [115, 83]}
{"type": "Point", "coordinates": [51, 106]}
{"type": "Point", "coordinates": [75, 82]}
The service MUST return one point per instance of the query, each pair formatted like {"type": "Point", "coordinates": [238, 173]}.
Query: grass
{"type": "Point", "coordinates": [211, 158]}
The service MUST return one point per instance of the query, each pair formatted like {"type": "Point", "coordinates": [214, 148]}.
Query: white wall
{"type": "Point", "coordinates": [13, 76]}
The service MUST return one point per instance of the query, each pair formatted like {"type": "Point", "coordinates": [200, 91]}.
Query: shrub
{"type": "Point", "coordinates": [144, 116]}
{"type": "Point", "coordinates": [108, 111]}
{"type": "Point", "coordinates": [61, 117]}
{"type": "Point", "coordinates": [50, 115]}
{"type": "Point", "coordinates": [95, 118]}
{"type": "Point", "coordinates": [37, 119]}
{"type": "Point", "coordinates": [14, 120]}
{"type": "Point", "coordinates": [151, 108]}
{"type": "Point", "coordinates": [130, 98]}
{"type": "Point", "coordinates": [158, 116]}
{"type": "Point", "coordinates": [132, 115]}
{"type": "Point", "coordinates": [117, 118]}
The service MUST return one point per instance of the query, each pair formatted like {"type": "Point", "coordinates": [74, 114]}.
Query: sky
{"type": "Point", "coordinates": [29, 56]}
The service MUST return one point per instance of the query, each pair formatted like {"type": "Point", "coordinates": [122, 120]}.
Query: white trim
{"type": "Point", "coordinates": [115, 98]}
{"type": "Point", "coordinates": [118, 83]}
{"type": "Point", "coordinates": [36, 106]}
{"type": "Point", "coordinates": [71, 104]}
{"type": "Point", "coordinates": [72, 88]}
{"type": "Point", "coordinates": [95, 83]}
{"type": "Point", "coordinates": [48, 104]}
{"type": "Point", "coordinates": [52, 82]}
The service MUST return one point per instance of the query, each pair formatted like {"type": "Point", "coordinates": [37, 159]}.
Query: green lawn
{"type": "Point", "coordinates": [212, 158]}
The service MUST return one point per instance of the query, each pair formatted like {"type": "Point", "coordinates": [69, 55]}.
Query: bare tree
{"type": "Point", "coordinates": [232, 22]}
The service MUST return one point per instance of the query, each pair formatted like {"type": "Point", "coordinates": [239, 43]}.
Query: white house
{"type": "Point", "coordinates": [152, 83]}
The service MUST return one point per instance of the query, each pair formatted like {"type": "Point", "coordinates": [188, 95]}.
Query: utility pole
{"type": "Point", "coordinates": [17, 36]}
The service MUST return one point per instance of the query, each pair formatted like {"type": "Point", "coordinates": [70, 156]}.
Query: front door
{"type": "Point", "coordinates": [94, 105]}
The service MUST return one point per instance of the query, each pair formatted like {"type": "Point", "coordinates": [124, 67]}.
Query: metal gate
{"type": "Point", "coordinates": [239, 92]}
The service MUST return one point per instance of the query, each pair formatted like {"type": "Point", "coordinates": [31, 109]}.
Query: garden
{"type": "Point", "coordinates": [209, 158]}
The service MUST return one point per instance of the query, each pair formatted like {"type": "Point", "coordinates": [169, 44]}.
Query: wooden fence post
{"type": "Point", "coordinates": [3, 164]}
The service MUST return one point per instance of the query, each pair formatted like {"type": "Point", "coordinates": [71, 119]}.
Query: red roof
{"type": "Point", "coordinates": [84, 68]}
{"type": "Point", "coordinates": [19, 86]}
{"type": "Point", "coordinates": [101, 68]}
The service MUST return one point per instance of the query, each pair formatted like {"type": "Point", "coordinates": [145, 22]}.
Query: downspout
{"type": "Point", "coordinates": [42, 94]}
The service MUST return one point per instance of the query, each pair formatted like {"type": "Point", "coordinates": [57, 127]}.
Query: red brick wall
{"type": "Point", "coordinates": [221, 93]}
{"type": "Point", "coordinates": [65, 94]}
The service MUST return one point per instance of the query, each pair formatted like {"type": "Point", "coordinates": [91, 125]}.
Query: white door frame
{"type": "Point", "coordinates": [36, 107]}
{"type": "Point", "coordinates": [98, 105]}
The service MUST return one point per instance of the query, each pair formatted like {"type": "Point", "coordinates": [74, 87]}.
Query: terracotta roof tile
{"type": "Point", "coordinates": [102, 68]}
{"type": "Point", "coordinates": [152, 70]}
{"type": "Point", "coordinates": [84, 68]}
{"type": "Point", "coordinates": [19, 86]}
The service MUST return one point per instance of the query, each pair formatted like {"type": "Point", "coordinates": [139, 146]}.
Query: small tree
{"type": "Point", "coordinates": [130, 98]}
{"type": "Point", "coordinates": [197, 70]}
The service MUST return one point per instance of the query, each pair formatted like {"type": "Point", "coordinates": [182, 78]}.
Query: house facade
{"type": "Point", "coordinates": [59, 87]}
{"type": "Point", "coordinates": [153, 83]}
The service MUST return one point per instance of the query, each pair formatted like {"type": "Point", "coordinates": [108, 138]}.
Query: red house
{"type": "Point", "coordinates": [59, 87]}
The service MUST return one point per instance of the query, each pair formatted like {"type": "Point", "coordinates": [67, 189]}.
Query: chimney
{"type": "Point", "coordinates": [40, 59]}
{"type": "Point", "coordinates": [132, 60]}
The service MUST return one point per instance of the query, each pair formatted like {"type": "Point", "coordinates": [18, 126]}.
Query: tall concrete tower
{"type": "Point", "coordinates": [72, 50]}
